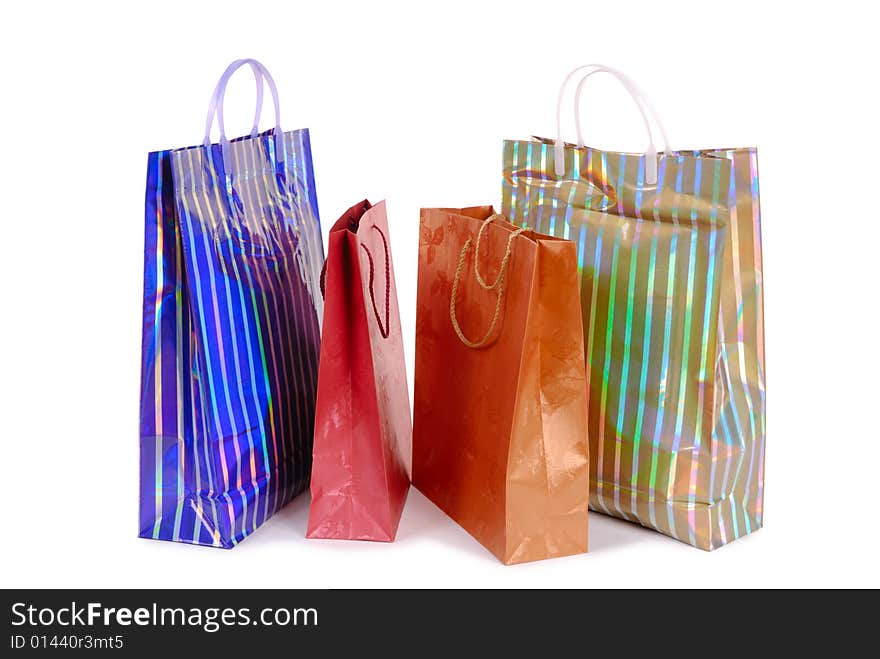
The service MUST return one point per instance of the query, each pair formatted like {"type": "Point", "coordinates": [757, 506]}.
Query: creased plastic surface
{"type": "Point", "coordinates": [499, 436]}
{"type": "Point", "coordinates": [230, 337]}
{"type": "Point", "coordinates": [363, 433]}
{"type": "Point", "coordinates": [671, 292]}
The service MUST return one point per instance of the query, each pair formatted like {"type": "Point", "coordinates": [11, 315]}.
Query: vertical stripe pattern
{"type": "Point", "coordinates": [672, 298]}
{"type": "Point", "coordinates": [230, 337]}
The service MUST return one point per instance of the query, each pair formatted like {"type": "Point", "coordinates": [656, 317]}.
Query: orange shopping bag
{"type": "Point", "coordinates": [500, 417]}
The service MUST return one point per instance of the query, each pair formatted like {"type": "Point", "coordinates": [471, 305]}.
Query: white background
{"type": "Point", "coordinates": [410, 102]}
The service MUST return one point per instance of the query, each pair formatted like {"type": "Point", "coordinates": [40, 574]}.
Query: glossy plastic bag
{"type": "Point", "coordinates": [499, 437]}
{"type": "Point", "coordinates": [669, 248]}
{"type": "Point", "coordinates": [230, 331]}
{"type": "Point", "coordinates": [363, 433]}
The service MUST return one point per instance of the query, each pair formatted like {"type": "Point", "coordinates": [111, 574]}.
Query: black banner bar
{"type": "Point", "coordinates": [230, 623]}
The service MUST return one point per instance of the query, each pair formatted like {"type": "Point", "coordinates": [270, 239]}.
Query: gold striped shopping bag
{"type": "Point", "coordinates": [669, 252]}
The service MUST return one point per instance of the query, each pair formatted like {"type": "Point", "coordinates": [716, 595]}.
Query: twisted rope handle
{"type": "Point", "coordinates": [497, 284]}
{"type": "Point", "coordinates": [489, 287]}
{"type": "Point", "coordinates": [384, 331]}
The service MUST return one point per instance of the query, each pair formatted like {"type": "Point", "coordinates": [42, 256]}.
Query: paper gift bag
{"type": "Point", "coordinates": [669, 248]}
{"type": "Point", "coordinates": [499, 436]}
{"type": "Point", "coordinates": [363, 434]}
{"type": "Point", "coordinates": [231, 308]}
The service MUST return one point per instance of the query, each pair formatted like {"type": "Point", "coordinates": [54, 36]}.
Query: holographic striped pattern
{"type": "Point", "coordinates": [230, 337]}
{"type": "Point", "coordinates": [671, 292]}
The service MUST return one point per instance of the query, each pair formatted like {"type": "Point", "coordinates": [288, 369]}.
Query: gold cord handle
{"type": "Point", "coordinates": [498, 284]}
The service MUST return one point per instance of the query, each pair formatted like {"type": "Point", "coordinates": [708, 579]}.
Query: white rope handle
{"type": "Point", "coordinates": [221, 84]}
{"type": "Point", "coordinates": [644, 107]}
{"type": "Point", "coordinates": [221, 94]}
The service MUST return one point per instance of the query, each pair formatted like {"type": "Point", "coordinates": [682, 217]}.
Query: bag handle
{"type": "Point", "coordinates": [644, 106]}
{"type": "Point", "coordinates": [498, 283]}
{"type": "Point", "coordinates": [212, 108]}
{"type": "Point", "coordinates": [220, 94]}
{"type": "Point", "coordinates": [386, 330]}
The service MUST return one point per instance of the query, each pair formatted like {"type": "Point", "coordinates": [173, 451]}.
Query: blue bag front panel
{"type": "Point", "coordinates": [167, 459]}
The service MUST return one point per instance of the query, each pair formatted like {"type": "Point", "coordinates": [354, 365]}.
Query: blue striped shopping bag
{"type": "Point", "coordinates": [231, 334]}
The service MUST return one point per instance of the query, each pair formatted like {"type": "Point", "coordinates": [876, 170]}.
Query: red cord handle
{"type": "Point", "coordinates": [383, 330]}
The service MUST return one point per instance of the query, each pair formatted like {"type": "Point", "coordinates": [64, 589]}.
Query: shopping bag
{"type": "Point", "coordinates": [499, 434]}
{"type": "Point", "coordinates": [363, 433]}
{"type": "Point", "coordinates": [232, 260]}
{"type": "Point", "coordinates": [669, 248]}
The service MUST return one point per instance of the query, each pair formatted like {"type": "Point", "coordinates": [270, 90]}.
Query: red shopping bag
{"type": "Point", "coordinates": [363, 431]}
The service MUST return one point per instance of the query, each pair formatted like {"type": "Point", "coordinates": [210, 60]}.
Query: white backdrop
{"type": "Point", "coordinates": [410, 102]}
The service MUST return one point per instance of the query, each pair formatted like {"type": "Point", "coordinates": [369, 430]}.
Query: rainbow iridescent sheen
{"type": "Point", "coordinates": [671, 292]}
{"type": "Point", "coordinates": [230, 337]}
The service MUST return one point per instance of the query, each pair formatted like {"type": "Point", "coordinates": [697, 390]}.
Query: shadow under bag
{"type": "Point", "coordinates": [230, 331]}
{"type": "Point", "coordinates": [669, 251]}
